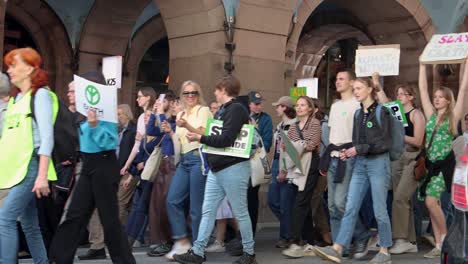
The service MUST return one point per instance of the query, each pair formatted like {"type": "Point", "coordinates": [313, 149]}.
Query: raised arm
{"type": "Point", "coordinates": [381, 96]}
{"type": "Point", "coordinates": [423, 92]}
{"type": "Point", "coordinates": [458, 110]}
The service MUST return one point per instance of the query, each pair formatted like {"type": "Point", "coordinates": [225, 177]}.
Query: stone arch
{"type": "Point", "coordinates": [148, 34]}
{"type": "Point", "coordinates": [50, 36]}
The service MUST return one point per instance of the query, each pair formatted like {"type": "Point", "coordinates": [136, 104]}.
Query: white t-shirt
{"type": "Point", "coordinates": [341, 121]}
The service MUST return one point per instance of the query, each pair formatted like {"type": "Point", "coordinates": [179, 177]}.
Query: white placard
{"type": "Point", "coordinates": [311, 84]}
{"type": "Point", "coordinates": [446, 48]}
{"type": "Point", "coordinates": [95, 96]}
{"type": "Point", "coordinates": [112, 70]}
{"type": "Point", "coordinates": [384, 59]}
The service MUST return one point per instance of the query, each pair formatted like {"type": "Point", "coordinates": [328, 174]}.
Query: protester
{"type": "Point", "coordinates": [282, 192]}
{"type": "Point", "coordinates": [214, 107]}
{"type": "Point", "coordinates": [442, 115]}
{"type": "Point", "coordinates": [339, 171]}
{"type": "Point", "coordinates": [188, 183]}
{"type": "Point", "coordinates": [160, 230]}
{"type": "Point", "coordinates": [26, 150]}
{"type": "Point", "coordinates": [228, 176]}
{"type": "Point", "coordinates": [4, 98]}
{"type": "Point", "coordinates": [403, 181]}
{"type": "Point", "coordinates": [264, 124]}
{"type": "Point", "coordinates": [371, 145]}
{"type": "Point", "coordinates": [96, 187]}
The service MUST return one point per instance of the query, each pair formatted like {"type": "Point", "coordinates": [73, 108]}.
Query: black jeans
{"type": "Point", "coordinates": [302, 205]}
{"type": "Point", "coordinates": [49, 212]}
{"type": "Point", "coordinates": [252, 204]}
{"type": "Point", "coordinates": [96, 188]}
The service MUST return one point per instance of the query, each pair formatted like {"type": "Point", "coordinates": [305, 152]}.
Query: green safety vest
{"type": "Point", "coordinates": [16, 143]}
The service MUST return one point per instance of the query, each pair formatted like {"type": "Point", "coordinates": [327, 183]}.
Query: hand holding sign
{"type": "Point", "coordinates": [92, 118]}
{"type": "Point", "coordinates": [193, 137]}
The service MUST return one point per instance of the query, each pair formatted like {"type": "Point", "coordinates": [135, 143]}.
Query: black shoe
{"type": "Point", "coordinates": [94, 254]}
{"type": "Point", "coordinates": [361, 249]}
{"type": "Point", "coordinates": [246, 259]}
{"type": "Point", "coordinates": [189, 258]}
{"type": "Point", "coordinates": [160, 250]}
{"type": "Point", "coordinates": [234, 247]}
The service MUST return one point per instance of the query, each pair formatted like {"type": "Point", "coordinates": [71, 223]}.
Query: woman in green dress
{"type": "Point", "coordinates": [443, 114]}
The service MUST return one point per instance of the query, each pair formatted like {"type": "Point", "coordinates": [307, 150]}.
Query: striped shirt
{"type": "Point", "coordinates": [311, 133]}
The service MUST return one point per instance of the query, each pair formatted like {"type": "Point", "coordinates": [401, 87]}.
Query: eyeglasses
{"type": "Point", "coordinates": [190, 94]}
{"type": "Point", "coordinates": [71, 91]}
{"type": "Point", "coordinates": [403, 94]}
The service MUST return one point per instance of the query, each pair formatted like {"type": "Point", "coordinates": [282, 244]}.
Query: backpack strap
{"type": "Point", "coordinates": [378, 113]}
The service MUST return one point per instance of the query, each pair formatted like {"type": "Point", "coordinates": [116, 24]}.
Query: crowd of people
{"type": "Point", "coordinates": [347, 192]}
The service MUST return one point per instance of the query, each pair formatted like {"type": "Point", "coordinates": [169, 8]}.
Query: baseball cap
{"type": "Point", "coordinates": [255, 97]}
{"type": "Point", "coordinates": [284, 100]}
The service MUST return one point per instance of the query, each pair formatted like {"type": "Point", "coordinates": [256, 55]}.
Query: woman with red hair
{"type": "Point", "coordinates": [26, 146]}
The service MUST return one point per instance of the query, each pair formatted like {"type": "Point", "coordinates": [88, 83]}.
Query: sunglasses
{"type": "Point", "coordinates": [190, 94]}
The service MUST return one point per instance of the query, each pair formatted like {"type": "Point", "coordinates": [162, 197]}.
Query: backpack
{"type": "Point", "coordinates": [397, 133]}
{"type": "Point", "coordinates": [66, 142]}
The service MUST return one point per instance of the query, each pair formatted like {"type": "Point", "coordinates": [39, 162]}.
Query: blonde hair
{"type": "Point", "coordinates": [368, 82]}
{"type": "Point", "coordinates": [201, 100]}
{"type": "Point", "coordinates": [126, 111]}
{"type": "Point", "coordinates": [448, 95]}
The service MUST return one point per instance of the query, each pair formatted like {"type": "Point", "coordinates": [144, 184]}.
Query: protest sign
{"type": "Point", "coordinates": [241, 147]}
{"type": "Point", "coordinates": [95, 96]}
{"type": "Point", "coordinates": [397, 110]}
{"type": "Point", "coordinates": [292, 152]}
{"type": "Point", "coordinates": [296, 92]}
{"type": "Point", "coordinates": [384, 59]}
{"type": "Point", "coordinates": [311, 85]}
{"type": "Point", "coordinates": [112, 70]}
{"type": "Point", "coordinates": [446, 49]}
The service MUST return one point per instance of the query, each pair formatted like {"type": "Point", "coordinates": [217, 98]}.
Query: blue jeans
{"type": "Point", "coordinates": [188, 184]}
{"type": "Point", "coordinates": [373, 172]}
{"type": "Point", "coordinates": [231, 182]}
{"type": "Point", "coordinates": [138, 219]}
{"type": "Point", "coordinates": [337, 193]}
{"type": "Point", "coordinates": [21, 204]}
{"type": "Point", "coordinates": [281, 197]}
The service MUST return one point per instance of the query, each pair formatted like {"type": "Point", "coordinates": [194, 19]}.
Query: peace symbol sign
{"type": "Point", "coordinates": [92, 95]}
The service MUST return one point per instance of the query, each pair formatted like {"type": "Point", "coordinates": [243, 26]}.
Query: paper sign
{"type": "Point", "coordinates": [292, 152]}
{"type": "Point", "coordinates": [95, 96]}
{"type": "Point", "coordinates": [398, 112]}
{"type": "Point", "coordinates": [311, 84]}
{"type": "Point", "coordinates": [112, 70]}
{"type": "Point", "coordinates": [446, 48]}
{"type": "Point", "coordinates": [241, 147]}
{"type": "Point", "coordinates": [296, 92]}
{"type": "Point", "coordinates": [460, 188]}
{"type": "Point", "coordinates": [384, 59]}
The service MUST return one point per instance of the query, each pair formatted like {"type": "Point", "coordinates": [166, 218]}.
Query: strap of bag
{"type": "Point", "coordinates": [299, 131]}
{"type": "Point", "coordinates": [432, 136]}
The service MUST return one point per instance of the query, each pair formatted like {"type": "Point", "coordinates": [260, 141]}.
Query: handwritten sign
{"type": "Point", "coordinates": [446, 48]}
{"type": "Point", "coordinates": [95, 96]}
{"type": "Point", "coordinates": [384, 59]}
{"type": "Point", "coordinates": [112, 70]}
{"type": "Point", "coordinates": [398, 112]}
{"type": "Point", "coordinates": [241, 147]}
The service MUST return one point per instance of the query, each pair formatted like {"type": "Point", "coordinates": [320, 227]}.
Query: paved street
{"type": "Point", "coordinates": [268, 254]}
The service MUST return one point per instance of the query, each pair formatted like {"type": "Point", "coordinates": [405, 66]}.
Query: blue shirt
{"type": "Point", "coordinates": [265, 127]}
{"type": "Point", "coordinates": [103, 137]}
{"type": "Point", "coordinates": [153, 130]}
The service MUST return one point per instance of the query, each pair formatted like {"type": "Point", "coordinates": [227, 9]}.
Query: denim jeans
{"type": "Point", "coordinates": [21, 204]}
{"type": "Point", "coordinates": [138, 219]}
{"type": "Point", "coordinates": [188, 184]}
{"type": "Point", "coordinates": [281, 197]}
{"type": "Point", "coordinates": [373, 172]}
{"type": "Point", "coordinates": [231, 182]}
{"type": "Point", "coordinates": [337, 193]}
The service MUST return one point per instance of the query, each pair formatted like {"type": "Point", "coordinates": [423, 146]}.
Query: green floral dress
{"type": "Point", "coordinates": [440, 148]}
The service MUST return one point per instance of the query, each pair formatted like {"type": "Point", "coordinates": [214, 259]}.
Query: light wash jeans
{"type": "Point", "coordinates": [371, 171]}
{"type": "Point", "coordinates": [232, 182]}
{"type": "Point", "coordinates": [337, 193]}
{"type": "Point", "coordinates": [21, 204]}
{"type": "Point", "coordinates": [187, 185]}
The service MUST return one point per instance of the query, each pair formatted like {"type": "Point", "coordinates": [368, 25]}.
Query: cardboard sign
{"type": "Point", "coordinates": [446, 48]}
{"type": "Point", "coordinates": [311, 85]}
{"type": "Point", "coordinates": [241, 147]}
{"type": "Point", "coordinates": [292, 152]}
{"type": "Point", "coordinates": [296, 92]}
{"type": "Point", "coordinates": [397, 110]}
{"type": "Point", "coordinates": [384, 59]}
{"type": "Point", "coordinates": [112, 70]}
{"type": "Point", "coordinates": [95, 96]}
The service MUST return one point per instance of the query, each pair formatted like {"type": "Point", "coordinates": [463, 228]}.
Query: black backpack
{"type": "Point", "coordinates": [65, 142]}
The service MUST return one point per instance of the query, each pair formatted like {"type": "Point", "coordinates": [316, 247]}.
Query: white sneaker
{"type": "Point", "coordinates": [178, 249]}
{"type": "Point", "coordinates": [373, 243]}
{"type": "Point", "coordinates": [402, 246]}
{"type": "Point", "coordinates": [294, 251]}
{"type": "Point", "coordinates": [309, 251]}
{"type": "Point", "coordinates": [217, 246]}
{"type": "Point", "coordinates": [434, 253]}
